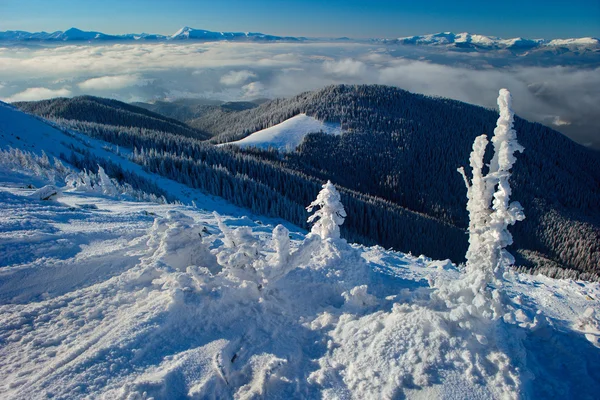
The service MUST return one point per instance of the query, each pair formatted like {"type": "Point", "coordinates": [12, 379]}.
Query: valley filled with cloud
{"type": "Point", "coordinates": [559, 91]}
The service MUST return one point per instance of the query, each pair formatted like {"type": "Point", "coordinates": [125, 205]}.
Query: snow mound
{"type": "Point", "coordinates": [287, 135]}
{"type": "Point", "coordinates": [48, 192]}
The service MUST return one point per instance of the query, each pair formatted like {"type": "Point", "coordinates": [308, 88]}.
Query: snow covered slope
{"type": "Point", "coordinates": [106, 299]}
{"type": "Point", "coordinates": [288, 134]}
{"type": "Point", "coordinates": [111, 299]}
{"type": "Point", "coordinates": [187, 33]}
{"type": "Point", "coordinates": [26, 132]}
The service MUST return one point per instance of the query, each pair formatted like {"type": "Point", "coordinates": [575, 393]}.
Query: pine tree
{"type": "Point", "coordinates": [106, 184]}
{"type": "Point", "coordinates": [330, 215]}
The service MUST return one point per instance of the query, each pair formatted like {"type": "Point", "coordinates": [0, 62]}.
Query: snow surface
{"type": "Point", "coordinates": [288, 135]}
{"type": "Point", "coordinates": [30, 133]}
{"type": "Point", "coordinates": [117, 301]}
{"type": "Point", "coordinates": [104, 298]}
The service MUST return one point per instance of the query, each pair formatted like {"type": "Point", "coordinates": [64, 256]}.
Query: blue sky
{"type": "Point", "coordinates": [376, 18]}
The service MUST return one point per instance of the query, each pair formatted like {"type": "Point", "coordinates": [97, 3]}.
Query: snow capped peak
{"type": "Point", "coordinates": [470, 40]}
{"type": "Point", "coordinates": [585, 41]}
{"type": "Point", "coordinates": [183, 31]}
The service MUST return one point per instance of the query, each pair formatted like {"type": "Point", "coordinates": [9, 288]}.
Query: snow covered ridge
{"type": "Point", "coordinates": [287, 135]}
{"type": "Point", "coordinates": [468, 40]}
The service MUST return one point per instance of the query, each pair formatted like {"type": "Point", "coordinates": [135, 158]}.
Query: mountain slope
{"type": "Point", "coordinates": [186, 110]}
{"type": "Point", "coordinates": [113, 299]}
{"type": "Point", "coordinates": [405, 148]}
{"type": "Point", "coordinates": [107, 112]}
{"type": "Point", "coordinates": [187, 33]}
{"type": "Point", "coordinates": [396, 168]}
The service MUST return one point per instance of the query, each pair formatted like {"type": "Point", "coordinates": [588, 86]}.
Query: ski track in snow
{"type": "Point", "coordinates": [100, 303]}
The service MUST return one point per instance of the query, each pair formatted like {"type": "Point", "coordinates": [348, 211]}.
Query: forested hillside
{"type": "Point", "coordinates": [396, 168]}
{"type": "Point", "coordinates": [405, 148]}
{"type": "Point", "coordinates": [109, 112]}
{"type": "Point", "coordinates": [187, 110]}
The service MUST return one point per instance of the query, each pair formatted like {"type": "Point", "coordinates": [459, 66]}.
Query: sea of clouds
{"type": "Point", "coordinates": [561, 92]}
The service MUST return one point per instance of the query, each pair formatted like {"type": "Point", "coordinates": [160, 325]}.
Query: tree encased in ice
{"type": "Point", "coordinates": [490, 212]}
{"type": "Point", "coordinates": [330, 215]}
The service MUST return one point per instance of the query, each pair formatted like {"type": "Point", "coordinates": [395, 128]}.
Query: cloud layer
{"type": "Point", "coordinates": [556, 94]}
{"type": "Point", "coordinates": [38, 93]}
{"type": "Point", "coordinates": [110, 82]}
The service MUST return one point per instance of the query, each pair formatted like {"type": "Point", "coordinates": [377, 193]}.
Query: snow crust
{"type": "Point", "coordinates": [288, 135]}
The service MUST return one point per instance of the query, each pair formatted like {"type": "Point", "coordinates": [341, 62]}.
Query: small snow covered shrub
{"type": "Point", "coordinates": [178, 243]}
{"type": "Point", "coordinates": [330, 214]}
{"type": "Point", "coordinates": [30, 163]}
{"type": "Point", "coordinates": [490, 212]}
{"type": "Point", "coordinates": [87, 181]}
{"type": "Point", "coordinates": [244, 258]}
{"type": "Point", "coordinates": [106, 184]}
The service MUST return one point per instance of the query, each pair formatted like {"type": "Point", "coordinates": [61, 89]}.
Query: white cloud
{"type": "Point", "coordinates": [38, 93]}
{"type": "Point", "coordinates": [115, 82]}
{"type": "Point", "coordinates": [235, 78]}
{"type": "Point", "coordinates": [253, 90]}
{"type": "Point", "coordinates": [345, 68]}
{"type": "Point", "coordinates": [229, 71]}
{"type": "Point", "coordinates": [557, 121]}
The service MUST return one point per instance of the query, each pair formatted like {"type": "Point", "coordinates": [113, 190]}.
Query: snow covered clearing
{"type": "Point", "coordinates": [288, 135]}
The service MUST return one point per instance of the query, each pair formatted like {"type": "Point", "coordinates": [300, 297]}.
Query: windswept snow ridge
{"type": "Point", "coordinates": [288, 135]}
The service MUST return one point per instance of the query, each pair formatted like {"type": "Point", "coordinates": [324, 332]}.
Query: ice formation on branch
{"type": "Point", "coordinates": [330, 215]}
{"type": "Point", "coordinates": [490, 212]}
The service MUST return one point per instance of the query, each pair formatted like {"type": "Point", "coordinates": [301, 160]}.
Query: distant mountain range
{"type": "Point", "coordinates": [443, 39]}
{"type": "Point", "coordinates": [185, 33]}
{"type": "Point", "coordinates": [468, 40]}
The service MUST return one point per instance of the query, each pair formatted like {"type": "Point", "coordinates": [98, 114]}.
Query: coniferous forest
{"type": "Point", "coordinates": [395, 166]}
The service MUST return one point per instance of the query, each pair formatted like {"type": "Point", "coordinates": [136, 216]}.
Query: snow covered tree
{"type": "Point", "coordinates": [330, 215]}
{"type": "Point", "coordinates": [490, 213]}
{"type": "Point", "coordinates": [106, 184]}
